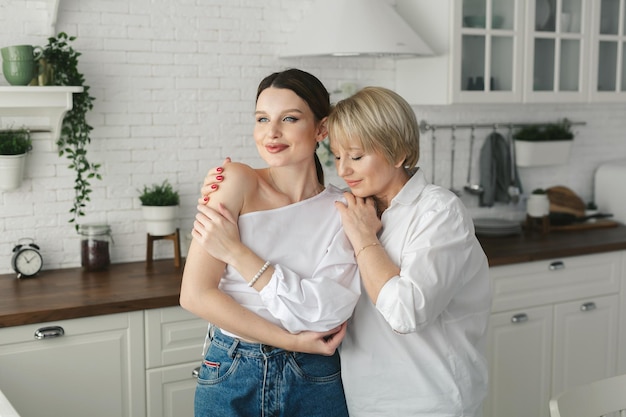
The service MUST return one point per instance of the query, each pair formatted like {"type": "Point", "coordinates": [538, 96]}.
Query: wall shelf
{"type": "Point", "coordinates": [50, 102]}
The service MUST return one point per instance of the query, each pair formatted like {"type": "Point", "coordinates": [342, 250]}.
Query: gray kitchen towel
{"type": "Point", "coordinates": [495, 170]}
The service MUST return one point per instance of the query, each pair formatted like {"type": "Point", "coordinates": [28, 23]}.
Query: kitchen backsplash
{"type": "Point", "coordinates": [175, 83]}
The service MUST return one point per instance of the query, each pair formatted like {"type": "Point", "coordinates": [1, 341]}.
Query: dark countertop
{"type": "Point", "coordinates": [534, 246]}
{"type": "Point", "coordinates": [62, 294]}
{"type": "Point", "coordinates": [72, 293]}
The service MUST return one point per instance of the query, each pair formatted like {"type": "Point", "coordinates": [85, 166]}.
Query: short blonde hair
{"type": "Point", "coordinates": [381, 120]}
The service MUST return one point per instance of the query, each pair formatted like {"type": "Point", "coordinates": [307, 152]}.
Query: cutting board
{"type": "Point", "coordinates": [564, 200]}
{"type": "Point", "coordinates": [598, 224]}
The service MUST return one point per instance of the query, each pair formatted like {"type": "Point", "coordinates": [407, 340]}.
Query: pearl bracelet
{"type": "Point", "coordinates": [258, 274]}
{"type": "Point", "coordinates": [365, 247]}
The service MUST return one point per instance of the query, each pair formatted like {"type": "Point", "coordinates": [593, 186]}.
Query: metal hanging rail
{"type": "Point", "coordinates": [425, 126]}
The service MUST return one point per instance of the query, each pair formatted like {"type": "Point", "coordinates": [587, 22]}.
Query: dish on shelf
{"type": "Point", "coordinates": [474, 21]}
{"type": "Point", "coordinates": [497, 227]}
{"type": "Point", "coordinates": [542, 14]}
{"type": "Point", "coordinates": [479, 21]}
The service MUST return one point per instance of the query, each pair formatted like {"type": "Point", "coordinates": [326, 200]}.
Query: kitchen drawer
{"type": "Point", "coordinates": [173, 336]}
{"type": "Point", "coordinates": [545, 282]}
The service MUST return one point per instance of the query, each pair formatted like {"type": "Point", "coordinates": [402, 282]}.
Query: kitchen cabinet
{"type": "Point", "coordinates": [515, 51]}
{"type": "Point", "coordinates": [557, 38]}
{"type": "Point", "coordinates": [608, 70]}
{"type": "Point", "coordinates": [554, 325]}
{"type": "Point", "coordinates": [519, 354]}
{"type": "Point", "coordinates": [174, 341]}
{"type": "Point", "coordinates": [80, 367]}
{"type": "Point", "coordinates": [478, 48]}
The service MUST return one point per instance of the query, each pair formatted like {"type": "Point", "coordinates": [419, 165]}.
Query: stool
{"type": "Point", "coordinates": [541, 223]}
{"type": "Point", "coordinates": [174, 237]}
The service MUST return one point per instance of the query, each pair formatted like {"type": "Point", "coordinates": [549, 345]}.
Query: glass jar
{"type": "Point", "coordinates": [95, 239]}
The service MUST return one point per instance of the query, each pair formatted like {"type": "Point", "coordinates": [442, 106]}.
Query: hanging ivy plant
{"type": "Point", "coordinates": [75, 131]}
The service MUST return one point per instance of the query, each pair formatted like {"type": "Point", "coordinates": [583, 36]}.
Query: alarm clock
{"type": "Point", "coordinates": [26, 260]}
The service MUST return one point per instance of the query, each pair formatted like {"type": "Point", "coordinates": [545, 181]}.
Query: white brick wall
{"type": "Point", "coordinates": [174, 84]}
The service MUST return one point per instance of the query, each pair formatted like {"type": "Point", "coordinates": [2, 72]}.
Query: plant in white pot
{"type": "Point", "coordinates": [14, 145]}
{"type": "Point", "coordinates": [548, 144]}
{"type": "Point", "coordinates": [538, 204]}
{"type": "Point", "coordinates": [159, 204]}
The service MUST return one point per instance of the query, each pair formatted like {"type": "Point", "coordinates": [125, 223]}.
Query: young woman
{"type": "Point", "coordinates": [415, 345]}
{"type": "Point", "coordinates": [269, 259]}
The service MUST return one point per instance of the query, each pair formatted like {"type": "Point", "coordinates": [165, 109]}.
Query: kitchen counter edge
{"type": "Point", "coordinates": [63, 294]}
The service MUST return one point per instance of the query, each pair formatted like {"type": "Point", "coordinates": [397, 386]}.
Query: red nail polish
{"type": "Point", "coordinates": [206, 199]}
{"type": "Point", "coordinates": [219, 177]}
{"type": "Point", "coordinates": [219, 169]}
{"type": "Point", "coordinates": [214, 186]}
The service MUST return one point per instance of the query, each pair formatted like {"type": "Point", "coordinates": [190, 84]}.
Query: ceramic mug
{"type": "Point", "coordinates": [19, 72]}
{"type": "Point", "coordinates": [21, 53]}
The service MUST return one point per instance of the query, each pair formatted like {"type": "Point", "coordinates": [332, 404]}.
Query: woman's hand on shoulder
{"type": "Point", "coordinates": [212, 180]}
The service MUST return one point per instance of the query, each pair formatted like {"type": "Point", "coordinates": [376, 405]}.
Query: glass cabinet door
{"type": "Point", "coordinates": [610, 42]}
{"type": "Point", "coordinates": [556, 46]}
{"type": "Point", "coordinates": [489, 41]}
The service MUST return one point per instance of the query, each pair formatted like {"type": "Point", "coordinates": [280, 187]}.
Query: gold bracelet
{"type": "Point", "coordinates": [365, 247]}
{"type": "Point", "coordinates": [258, 274]}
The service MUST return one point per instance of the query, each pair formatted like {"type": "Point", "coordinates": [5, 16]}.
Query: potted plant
{"type": "Point", "coordinates": [61, 62]}
{"type": "Point", "coordinates": [538, 204]}
{"type": "Point", "coordinates": [543, 144]}
{"type": "Point", "coordinates": [159, 204]}
{"type": "Point", "coordinates": [14, 144]}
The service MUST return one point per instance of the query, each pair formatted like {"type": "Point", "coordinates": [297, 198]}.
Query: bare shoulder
{"type": "Point", "coordinates": [239, 184]}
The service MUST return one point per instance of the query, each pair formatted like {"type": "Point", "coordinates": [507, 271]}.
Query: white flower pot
{"type": "Point", "coordinates": [11, 171]}
{"type": "Point", "coordinates": [160, 220]}
{"type": "Point", "coordinates": [531, 153]}
{"type": "Point", "coordinates": [538, 205]}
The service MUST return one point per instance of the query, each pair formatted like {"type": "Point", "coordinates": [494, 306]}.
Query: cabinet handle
{"type": "Point", "coordinates": [556, 265]}
{"type": "Point", "coordinates": [49, 332]}
{"type": "Point", "coordinates": [588, 306]}
{"type": "Point", "coordinates": [195, 372]}
{"type": "Point", "coordinates": [519, 318]}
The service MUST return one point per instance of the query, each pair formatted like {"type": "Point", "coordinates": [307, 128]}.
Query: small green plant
{"type": "Point", "coordinates": [15, 141]}
{"type": "Point", "coordinates": [75, 131]}
{"type": "Point", "coordinates": [159, 195]}
{"type": "Point", "coordinates": [561, 130]}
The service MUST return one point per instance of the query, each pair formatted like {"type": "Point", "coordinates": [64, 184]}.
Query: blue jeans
{"type": "Point", "coordinates": [249, 379]}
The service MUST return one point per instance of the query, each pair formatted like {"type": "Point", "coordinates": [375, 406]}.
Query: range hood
{"type": "Point", "coordinates": [354, 28]}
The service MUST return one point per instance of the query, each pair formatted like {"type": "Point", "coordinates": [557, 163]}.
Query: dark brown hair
{"type": "Point", "coordinates": [309, 89]}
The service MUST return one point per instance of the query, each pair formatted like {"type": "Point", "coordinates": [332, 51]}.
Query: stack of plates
{"type": "Point", "coordinates": [497, 227]}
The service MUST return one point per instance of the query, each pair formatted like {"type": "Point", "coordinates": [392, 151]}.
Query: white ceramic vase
{"type": "Point", "coordinates": [538, 205]}
{"type": "Point", "coordinates": [160, 220]}
{"type": "Point", "coordinates": [11, 171]}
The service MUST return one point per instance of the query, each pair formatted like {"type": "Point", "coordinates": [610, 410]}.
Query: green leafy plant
{"type": "Point", "coordinates": [75, 131]}
{"type": "Point", "coordinates": [159, 195]}
{"type": "Point", "coordinates": [15, 141]}
{"type": "Point", "coordinates": [561, 130]}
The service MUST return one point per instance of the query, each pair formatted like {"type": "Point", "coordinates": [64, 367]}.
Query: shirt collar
{"type": "Point", "coordinates": [412, 189]}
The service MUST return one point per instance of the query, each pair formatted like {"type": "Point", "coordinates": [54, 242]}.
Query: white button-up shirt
{"type": "Point", "coordinates": [315, 284]}
{"type": "Point", "coordinates": [420, 350]}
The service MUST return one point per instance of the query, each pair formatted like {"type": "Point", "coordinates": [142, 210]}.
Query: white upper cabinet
{"type": "Point", "coordinates": [478, 51]}
{"type": "Point", "coordinates": [557, 51]}
{"type": "Point", "coordinates": [608, 71]}
{"type": "Point", "coordinates": [513, 51]}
